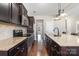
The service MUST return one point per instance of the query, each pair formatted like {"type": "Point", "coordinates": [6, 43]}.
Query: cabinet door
{"type": "Point", "coordinates": [15, 14]}
{"type": "Point", "coordinates": [31, 21]}
{"type": "Point", "coordinates": [24, 20]}
{"type": "Point", "coordinates": [24, 11]}
{"type": "Point", "coordinates": [5, 12]}
{"type": "Point", "coordinates": [70, 51]}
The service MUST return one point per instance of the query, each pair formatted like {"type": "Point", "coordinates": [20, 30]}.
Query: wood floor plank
{"type": "Point", "coordinates": [37, 52]}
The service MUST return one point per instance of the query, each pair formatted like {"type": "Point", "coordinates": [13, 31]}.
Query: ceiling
{"type": "Point", "coordinates": [47, 9]}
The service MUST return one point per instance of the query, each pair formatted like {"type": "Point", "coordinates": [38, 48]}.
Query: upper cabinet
{"type": "Point", "coordinates": [31, 23]}
{"type": "Point", "coordinates": [23, 15]}
{"type": "Point", "coordinates": [23, 10]}
{"type": "Point", "coordinates": [5, 12]}
{"type": "Point", "coordinates": [25, 21]}
{"type": "Point", "coordinates": [9, 12]}
{"type": "Point", "coordinates": [15, 14]}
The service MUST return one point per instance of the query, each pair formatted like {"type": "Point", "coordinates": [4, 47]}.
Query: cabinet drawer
{"type": "Point", "coordinates": [12, 51]}
{"type": "Point", "coordinates": [70, 51]}
{"type": "Point", "coordinates": [5, 12]}
{"type": "Point", "coordinates": [18, 49]}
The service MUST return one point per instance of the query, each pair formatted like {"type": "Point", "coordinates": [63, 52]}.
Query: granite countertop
{"type": "Point", "coordinates": [7, 44]}
{"type": "Point", "coordinates": [65, 39]}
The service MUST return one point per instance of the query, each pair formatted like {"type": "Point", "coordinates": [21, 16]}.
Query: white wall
{"type": "Point", "coordinates": [71, 24]}
{"type": "Point", "coordinates": [73, 17]}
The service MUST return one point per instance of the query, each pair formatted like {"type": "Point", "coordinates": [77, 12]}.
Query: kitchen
{"type": "Point", "coordinates": [39, 29]}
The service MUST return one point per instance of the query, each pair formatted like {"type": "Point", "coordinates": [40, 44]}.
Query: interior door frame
{"type": "Point", "coordinates": [42, 28]}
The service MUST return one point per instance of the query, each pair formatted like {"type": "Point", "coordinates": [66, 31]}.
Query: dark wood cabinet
{"type": "Point", "coordinates": [5, 12]}
{"type": "Point", "coordinates": [30, 40]}
{"type": "Point", "coordinates": [23, 10]}
{"type": "Point", "coordinates": [24, 21]}
{"type": "Point", "coordinates": [52, 47]}
{"type": "Point", "coordinates": [19, 50]}
{"type": "Point", "coordinates": [15, 13]}
{"type": "Point", "coordinates": [9, 12]}
{"type": "Point", "coordinates": [23, 15]}
{"type": "Point", "coordinates": [69, 51]}
{"type": "Point", "coordinates": [31, 21]}
{"type": "Point", "coordinates": [31, 24]}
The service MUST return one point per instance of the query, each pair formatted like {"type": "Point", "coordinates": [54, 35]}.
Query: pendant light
{"type": "Point", "coordinates": [60, 13]}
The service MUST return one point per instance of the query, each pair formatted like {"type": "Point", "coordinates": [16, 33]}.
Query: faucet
{"type": "Point", "coordinates": [56, 28]}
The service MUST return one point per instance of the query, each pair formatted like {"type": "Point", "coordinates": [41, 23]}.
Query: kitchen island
{"type": "Point", "coordinates": [65, 44]}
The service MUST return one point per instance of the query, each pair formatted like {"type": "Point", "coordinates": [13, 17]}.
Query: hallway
{"type": "Point", "coordinates": [38, 48]}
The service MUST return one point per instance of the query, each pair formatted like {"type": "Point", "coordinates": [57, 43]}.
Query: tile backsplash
{"type": "Point", "coordinates": [6, 30]}
{"type": "Point", "coordinates": [5, 33]}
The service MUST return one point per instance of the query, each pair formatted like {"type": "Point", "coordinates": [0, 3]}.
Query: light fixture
{"type": "Point", "coordinates": [60, 13]}
{"type": "Point", "coordinates": [63, 14]}
{"type": "Point", "coordinates": [56, 18]}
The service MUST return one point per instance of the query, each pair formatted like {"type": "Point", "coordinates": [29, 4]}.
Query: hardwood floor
{"type": "Point", "coordinates": [38, 50]}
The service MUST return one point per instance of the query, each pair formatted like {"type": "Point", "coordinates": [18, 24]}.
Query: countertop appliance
{"type": "Point", "coordinates": [17, 33]}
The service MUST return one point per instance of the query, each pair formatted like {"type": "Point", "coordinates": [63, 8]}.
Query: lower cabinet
{"type": "Point", "coordinates": [30, 42]}
{"type": "Point", "coordinates": [19, 50]}
{"type": "Point", "coordinates": [70, 51]}
{"type": "Point", "coordinates": [53, 48]}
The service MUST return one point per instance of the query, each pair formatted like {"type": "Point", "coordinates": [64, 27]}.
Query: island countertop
{"type": "Point", "coordinates": [65, 39]}
{"type": "Point", "coordinates": [7, 44]}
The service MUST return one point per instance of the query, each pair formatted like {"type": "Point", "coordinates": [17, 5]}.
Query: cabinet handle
{"type": "Point", "coordinates": [55, 46]}
{"type": "Point", "coordinates": [18, 48]}
{"type": "Point", "coordinates": [22, 50]}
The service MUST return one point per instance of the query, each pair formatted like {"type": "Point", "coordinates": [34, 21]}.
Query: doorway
{"type": "Point", "coordinates": [40, 35]}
